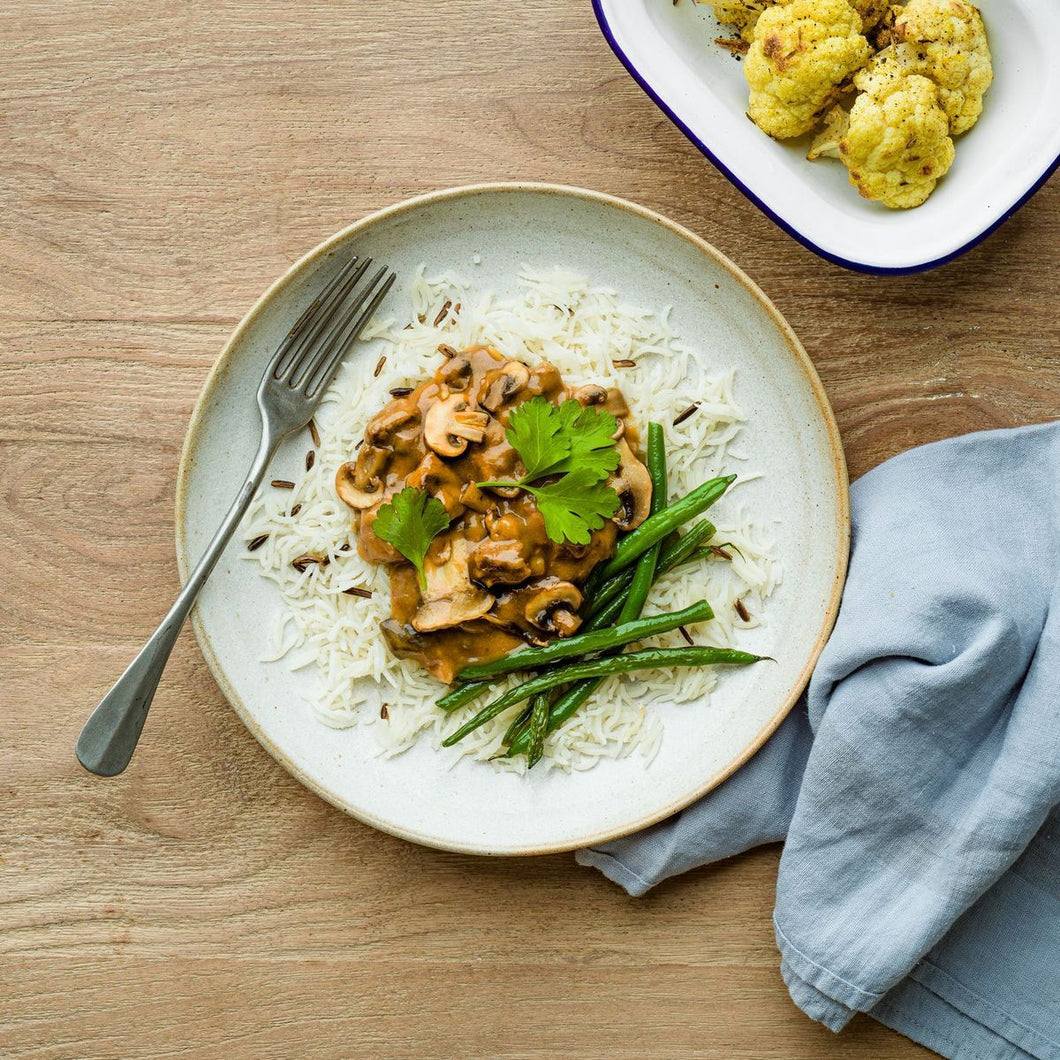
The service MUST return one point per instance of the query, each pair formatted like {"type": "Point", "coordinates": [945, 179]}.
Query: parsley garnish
{"type": "Point", "coordinates": [572, 441]}
{"type": "Point", "coordinates": [409, 522]}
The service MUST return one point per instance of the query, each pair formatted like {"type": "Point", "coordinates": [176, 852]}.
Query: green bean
{"type": "Point", "coordinates": [648, 659]}
{"type": "Point", "coordinates": [644, 575]}
{"type": "Point", "coordinates": [657, 468]}
{"type": "Point", "coordinates": [562, 710]}
{"type": "Point", "coordinates": [518, 722]}
{"type": "Point", "coordinates": [686, 548]}
{"type": "Point", "coordinates": [672, 554]}
{"type": "Point", "coordinates": [656, 527]}
{"type": "Point", "coordinates": [538, 727]}
{"type": "Point", "coordinates": [605, 617]}
{"type": "Point", "coordinates": [588, 643]}
{"type": "Point", "coordinates": [461, 695]}
{"type": "Point", "coordinates": [636, 587]}
{"type": "Point", "coordinates": [608, 591]}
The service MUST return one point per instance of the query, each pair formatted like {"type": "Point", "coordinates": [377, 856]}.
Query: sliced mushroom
{"type": "Point", "coordinates": [554, 608]}
{"type": "Point", "coordinates": [451, 424]}
{"type": "Point", "coordinates": [372, 462]}
{"type": "Point", "coordinates": [435, 476]}
{"type": "Point", "coordinates": [508, 492]}
{"type": "Point", "coordinates": [546, 380]}
{"type": "Point", "coordinates": [590, 394]}
{"type": "Point", "coordinates": [472, 497]}
{"type": "Point", "coordinates": [632, 483]}
{"type": "Point", "coordinates": [456, 373]}
{"type": "Point", "coordinates": [616, 405]}
{"type": "Point", "coordinates": [402, 639]}
{"type": "Point", "coordinates": [503, 384]}
{"type": "Point", "coordinates": [498, 563]}
{"type": "Point", "coordinates": [384, 425]}
{"type": "Point", "coordinates": [372, 548]}
{"type": "Point", "coordinates": [449, 599]}
{"type": "Point", "coordinates": [356, 496]}
{"type": "Point", "coordinates": [452, 611]}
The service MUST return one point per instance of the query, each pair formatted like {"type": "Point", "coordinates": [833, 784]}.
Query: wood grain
{"type": "Point", "coordinates": [162, 163]}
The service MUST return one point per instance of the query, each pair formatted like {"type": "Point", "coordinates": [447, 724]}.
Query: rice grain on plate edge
{"type": "Point", "coordinates": [591, 337]}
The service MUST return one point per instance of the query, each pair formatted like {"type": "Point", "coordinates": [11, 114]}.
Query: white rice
{"type": "Point", "coordinates": [581, 329]}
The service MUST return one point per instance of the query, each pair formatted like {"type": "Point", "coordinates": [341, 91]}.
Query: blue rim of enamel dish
{"type": "Point", "coordinates": [856, 266]}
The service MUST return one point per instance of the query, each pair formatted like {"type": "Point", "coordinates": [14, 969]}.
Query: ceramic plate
{"type": "Point", "coordinates": [669, 49]}
{"type": "Point", "coordinates": [791, 437]}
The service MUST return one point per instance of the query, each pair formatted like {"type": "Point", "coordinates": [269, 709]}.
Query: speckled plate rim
{"type": "Point", "coordinates": [842, 529]}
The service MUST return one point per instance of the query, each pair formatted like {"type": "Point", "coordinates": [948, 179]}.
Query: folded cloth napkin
{"type": "Point", "coordinates": [918, 785]}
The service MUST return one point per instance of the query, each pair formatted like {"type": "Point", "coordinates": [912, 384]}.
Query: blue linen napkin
{"type": "Point", "coordinates": [918, 785]}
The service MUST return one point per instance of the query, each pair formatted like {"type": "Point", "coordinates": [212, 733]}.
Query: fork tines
{"type": "Point", "coordinates": [311, 352]}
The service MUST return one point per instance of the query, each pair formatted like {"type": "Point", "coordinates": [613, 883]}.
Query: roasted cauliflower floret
{"type": "Point", "coordinates": [803, 50]}
{"type": "Point", "coordinates": [830, 135]}
{"type": "Point", "coordinates": [897, 146]}
{"type": "Point", "coordinates": [871, 11]}
{"type": "Point", "coordinates": [742, 15]}
{"type": "Point", "coordinates": [946, 41]}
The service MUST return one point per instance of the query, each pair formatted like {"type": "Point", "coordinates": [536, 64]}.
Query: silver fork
{"type": "Point", "coordinates": [289, 393]}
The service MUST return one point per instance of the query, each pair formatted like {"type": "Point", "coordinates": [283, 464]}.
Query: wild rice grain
{"type": "Point", "coordinates": [401, 391]}
{"type": "Point", "coordinates": [310, 459]}
{"type": "Point", "coordinates": [384, 713]}
{"type": "Point", "coordinates": [690, 411]}
{"type": "Point", "coordinates": [379, 366]}
{"type": "Point", "coordinates": [442, 312]}
{"type": "Point", "coordinates": [295, 510]}
{"type": "Point", "coordinates": [253, 546]}
{"type": "Point", "coordinates": [741, 610]}
{"type": "Point", "coordinates": [625, 363]}
{"type": "Point", "coordinates": [686, 635]}
{"type": "Point", "coordinates": [447, 351]}
{"type": "Point", "coordinates": [314, 433]}
{"type": "Point", "coordinates": [364, 594]}
{"type": "Point", "coordinates": [282, 484]}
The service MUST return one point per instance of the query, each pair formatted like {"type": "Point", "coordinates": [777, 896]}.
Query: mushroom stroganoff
{"type": "Point", "coordinates": [494, 578]}
{"type": "Point", "coordinates": [490, 501]}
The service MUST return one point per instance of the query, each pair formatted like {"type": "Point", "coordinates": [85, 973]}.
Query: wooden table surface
{"type": "Point", "coordinates": [161, 164]}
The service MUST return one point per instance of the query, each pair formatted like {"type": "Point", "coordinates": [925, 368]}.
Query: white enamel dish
{"type": "Point", "coordinates": [1013, 149]}
{"type": "Point", "coordinates": [791, 437]}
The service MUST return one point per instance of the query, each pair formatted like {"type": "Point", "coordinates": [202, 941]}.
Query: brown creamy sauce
{"type": "Point", "coordinates": [495, 580]}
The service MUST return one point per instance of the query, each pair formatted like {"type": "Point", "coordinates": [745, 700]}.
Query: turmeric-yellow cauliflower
{"type": "Point", "coordinates": [871, 11]}
{"type": "Point", "coordinates": [742, 15]}
{"type": "Point", "coordinates": [802, 51]}
{"type": "Point", "coordinates": [946, 41]}
{"type": "Point", "coordinates": [897, 145]}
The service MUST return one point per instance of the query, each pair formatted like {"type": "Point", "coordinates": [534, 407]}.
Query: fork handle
{"type": "Point", "coordinates": [107, 741]}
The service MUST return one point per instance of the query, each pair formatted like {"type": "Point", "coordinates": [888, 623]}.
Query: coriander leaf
{"type": "Point", "coordinates": [541, 433]}
{"type": "Point", "coordinates": [575, 505]}
{"type": "Point", "coordinates": [409, 522]}
{"type": "Point", "coordinates": [592, 442]}
{"type": "Point", "coordinates": [552, 440]}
